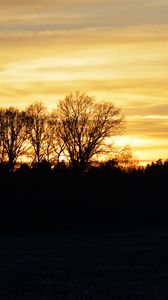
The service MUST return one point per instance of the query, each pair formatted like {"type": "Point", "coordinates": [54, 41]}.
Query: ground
{"type": "Point", "coordinates": [102, 265]}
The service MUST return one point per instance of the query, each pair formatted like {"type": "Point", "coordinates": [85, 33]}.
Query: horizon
{"type": "Point", "coordinates": [112, 50]}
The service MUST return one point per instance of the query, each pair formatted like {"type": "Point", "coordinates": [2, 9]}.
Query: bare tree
{"type": "Point", "coordinates": [36, 115]}
{"type": "Point", "coordinates": [85, 126]}
{"type": "Point", "coordinates": [55, 145]}
{"type": "Point", "coordinates": [125, 158]}
{"type": "Point", "coordinates": [13, 142]}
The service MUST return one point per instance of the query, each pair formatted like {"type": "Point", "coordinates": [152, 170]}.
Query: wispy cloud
{"type": "Point", "coordinates": [51, 15]}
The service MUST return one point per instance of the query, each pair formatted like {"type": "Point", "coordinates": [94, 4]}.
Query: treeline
{"type": "Point", "coordinates": [41, 198]}
{"type": "Point", "coordinates": [76, 130]}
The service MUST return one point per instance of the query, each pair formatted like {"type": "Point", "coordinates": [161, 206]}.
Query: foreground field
{"type": "Point", "coordinates": [118, 265]}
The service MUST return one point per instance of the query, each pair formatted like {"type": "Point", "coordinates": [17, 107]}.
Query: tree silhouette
{"type": "Point", "coordinates": [36, 115]}
{"type": "Point", "coordinates": [54, 145]}
{"type": "Point", "coordinates": [13, 142]}
{"type": "Point", "coordinates": [84, 126]}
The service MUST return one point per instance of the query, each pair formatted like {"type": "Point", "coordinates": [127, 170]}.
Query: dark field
{"type": "Point", "coordinates": [113, 265]}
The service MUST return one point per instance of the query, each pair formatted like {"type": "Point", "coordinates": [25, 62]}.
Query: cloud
{"type": "Point", "coordinates": [152, 126]}
{"type": "Point", "coordinates": [104, 37]}
{"type": "Point", "coordinates": [52, 15]}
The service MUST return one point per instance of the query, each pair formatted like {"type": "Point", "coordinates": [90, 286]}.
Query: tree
{"type": "Point", "coordinates": [126, 159]}
{"type": "Point", "coordinates": [36, 115]}
{"type": "Point", "coordinates": [13, 142]}
{"type": "Point", "coordinates": [55, 145]}
{"type": "Point", "coordinates": [85, 127]}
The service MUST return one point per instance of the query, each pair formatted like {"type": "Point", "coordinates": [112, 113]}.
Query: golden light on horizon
{"type": "Point", "coordinates": [144, 149]}
{"type": "Point", "coordinates": [113, 50]}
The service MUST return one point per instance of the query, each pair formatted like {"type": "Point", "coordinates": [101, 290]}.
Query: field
{"type": "Point", "coordinates": [112, 265]}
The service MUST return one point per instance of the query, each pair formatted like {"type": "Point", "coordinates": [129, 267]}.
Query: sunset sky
{"type": "Point", "coordinates": [114, 50]}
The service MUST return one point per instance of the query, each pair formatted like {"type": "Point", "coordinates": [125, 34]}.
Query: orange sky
{"type": "Point", "coordinates": [112, 49]}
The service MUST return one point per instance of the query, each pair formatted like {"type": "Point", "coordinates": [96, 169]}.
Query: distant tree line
{"type": "Point", "coordinates": [77, 131]}
{"type": "Point", "coordinates": [41, 198]}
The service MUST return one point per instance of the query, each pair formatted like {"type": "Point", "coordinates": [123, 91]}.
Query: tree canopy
{"type": "Point", "coordinates": [84, 126]}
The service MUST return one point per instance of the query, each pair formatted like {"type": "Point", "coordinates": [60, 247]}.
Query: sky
{"type": "Point", "coordinates": [115, 50]}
